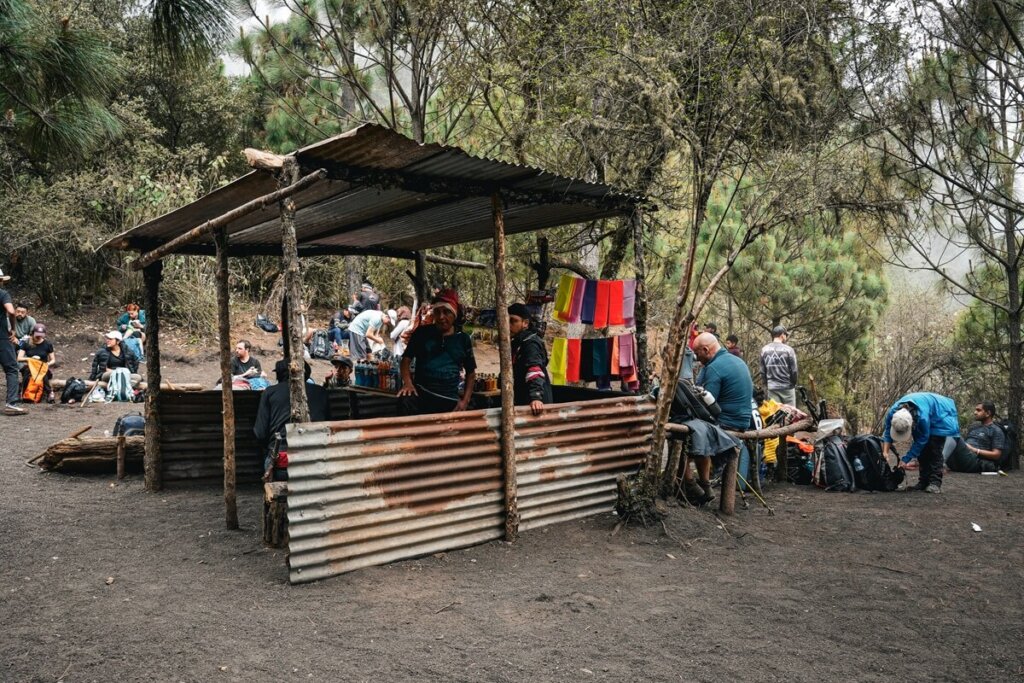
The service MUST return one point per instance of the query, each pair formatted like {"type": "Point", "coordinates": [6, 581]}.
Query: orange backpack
{"type": "Point", "coordinates": [35, 388]}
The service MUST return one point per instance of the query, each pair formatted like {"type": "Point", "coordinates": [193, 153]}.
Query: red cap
{"type": "Point", "coordinates": [449, 297]}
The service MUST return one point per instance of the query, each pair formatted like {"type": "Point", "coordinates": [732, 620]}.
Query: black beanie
{"type": "Point", "coordinates": [520, 311]}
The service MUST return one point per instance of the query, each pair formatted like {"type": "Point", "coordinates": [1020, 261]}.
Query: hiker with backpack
{"type": "Point", "coordinates": [112, 356]}
{"type": "Point", "coordinates": [8, 357]}
{"type": "Point", "coordinates": [984, 447]}
{"type": "Point", "coordinates": [36, 356]}
{"type": "Point", "coordinates": [931, 422]}
{"type": "Point", "coordinates": [531, 384]}
{"type": "Point", "coordinates": [132, 326]}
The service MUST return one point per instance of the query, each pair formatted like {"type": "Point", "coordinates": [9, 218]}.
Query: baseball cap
{"type": "Point", "coordinates": [900, 425]}
{"type": "Point", "coordinates": [114, 334]}
{"type": "Point", "coordinates": [393, 317]}
{"type": "Point", "coordinates": [338, 359]}
{"type": "Point", "coordinates": [39, 329]}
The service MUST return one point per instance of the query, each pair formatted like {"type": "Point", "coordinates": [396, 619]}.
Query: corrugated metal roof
{"type": "Point", "coordinates": [386, 190]}
{"type": "Point", "coordinates": [369, 492]}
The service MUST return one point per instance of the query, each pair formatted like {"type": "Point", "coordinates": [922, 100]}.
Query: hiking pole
{"type": "Point", "coordinates": [767, 507]}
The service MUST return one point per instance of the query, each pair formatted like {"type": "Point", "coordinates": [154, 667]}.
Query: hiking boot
{"type": "Point", "coordinates": [709, 491]}
{"type": "Point", "coordinates": [11, 409]}
{"type": "Point", "coordinates": [933, 488]}
{"type": "Point", "coordinates": [695, 495]}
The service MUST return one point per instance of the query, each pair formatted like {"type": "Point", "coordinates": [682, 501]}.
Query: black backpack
{"type": "Point", "coordinates": [871, 471]}
{"type": "Point", "coordinates": [320, 345]}
{"type": "Point", "coordinates": [1010, 447]}
{"type": "Point", "coordinates": [832, 471]}
{"type": "Point", "coordinates": [264, 324]}
{"type": "Point", "coordinates": [132, 424]}
{"type": "Point", "coordinates": [799, 465]}
{"type": "Point", "coordinates": [74, 391]}
{"type": "Point", "coordinates": [687, 405]}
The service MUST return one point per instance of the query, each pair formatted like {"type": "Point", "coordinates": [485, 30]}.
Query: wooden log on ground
{"type": "Point", "coordinates": [59, 384]}
{"type": "Point", "coordinates": [275, 514]}
{"type": "Point", "coordinates": [98, 455]}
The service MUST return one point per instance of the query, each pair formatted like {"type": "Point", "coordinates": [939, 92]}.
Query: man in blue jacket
{"type": "Point", "coordinates": [930, 420]}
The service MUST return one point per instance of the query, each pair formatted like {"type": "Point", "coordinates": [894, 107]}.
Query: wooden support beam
{"type": "Point", "coordinates": [420, 279]}
{"type": "Point", "coordinates": [543, 265]}
{"type": "Point", "coordinates": [458, 263]}
{"type": "Point", "coordinates": [727, 504]}
{"type": "Point", "coordinates": [606, 205]}
{"type": "Point", "coordinates": [153, 463]}
{"type": "Point", "coordinates": [293, 295]}
{"type": "Point", "coordinates": [120, 457]}
{"type": "Point", "coordinates": [640, 303]}
{"type": "Point", "coordinates": [227, 397]}
{"type": "Point", "coordinates": [508, 446]}
{"type": "Point", "coordinates": [275, 514]}
{"type": "Point", "coordinates": [242, 250]}
{"type": "Point", "coordinates": [211, 225]}
{"type": "Point", "coordinates": [267, 161]}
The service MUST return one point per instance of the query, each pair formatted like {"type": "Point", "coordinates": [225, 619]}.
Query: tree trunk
{"type": "Point", "coordinates": [616, 253]}
{"type": "Point", "coordinates": [636, 222]}
{"type": "Point", "coordinates": [220, 238]}
{"type": "Point", "coordinates": [1013, 317]}
{"type": "Point", "coordinates": [293, 295]}
{"type": "Point", "coordinates": [508, 447]}
{"type": "Point", "coordinates": [152, 275]}
{"type": "Point", "coordinates": [275, 514]}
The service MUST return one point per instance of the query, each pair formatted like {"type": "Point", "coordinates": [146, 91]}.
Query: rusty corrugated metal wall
{"type": "Point", "coordinates": [369, 492]}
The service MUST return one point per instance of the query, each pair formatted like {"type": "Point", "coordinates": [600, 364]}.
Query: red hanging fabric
{"type": "Point", "coordinates": [572, 366]}
{"type": "Point", "coordinates": [615, 303]}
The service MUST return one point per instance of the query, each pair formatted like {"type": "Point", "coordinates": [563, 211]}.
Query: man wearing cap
{"type": "Point", "coordinates": [341, 374]}
{"type": "Point", "coordinates": [778, 367]}
{"type": "Point", "coordinates": [931, 421]}
{"type": "Point", "coordinates": [113, 356]}
{"type": "Point", "coordinates": [42, 356]}
{"type": "Point", "coordinates": [530, 380]}
{"type": "Point", "coordinates": [441, 354]}
{"type": "Point", "coordinates": [8, 343]}
{"type": "Point", "coordinates": [368, 326]}
{"type": "Point", "coordinates": [275, 412]}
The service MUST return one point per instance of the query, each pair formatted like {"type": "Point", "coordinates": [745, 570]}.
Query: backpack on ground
{"type": "Point", "coordinates": [832, 471]}
{"type": "Point", "coordinates": [74, 391]}
{"type": "Point", "coordinates": [119, 386]}
{"type": "Point", "coordinates": [320, 345]}
{"type": "Point", "coordinates": [871, 471]}
{"type": "Point", "coordinates": [1010, 445]}
{"type": "Point", "coordinates": [132, 424]}
{"type": "Point", "coordinates": [264, 324]}
{"type": "Point", "coordinates": [799, 461]}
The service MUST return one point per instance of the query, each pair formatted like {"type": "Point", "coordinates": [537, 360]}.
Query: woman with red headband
{"type": "Point", "coordinates": [441, 354]}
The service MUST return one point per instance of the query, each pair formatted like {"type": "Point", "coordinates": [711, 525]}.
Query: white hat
{"type": "Point", "coordinates": [393, 317]}
{"type": "Point", "coordinates": [900, 425]}
{"type": "Point", "coordinates": [114, 334]}
{"type": "Point", "coordinates": [4, 278]}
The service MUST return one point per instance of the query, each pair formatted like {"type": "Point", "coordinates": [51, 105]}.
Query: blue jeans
{"type": "Point", "coordinates": [337, 335]}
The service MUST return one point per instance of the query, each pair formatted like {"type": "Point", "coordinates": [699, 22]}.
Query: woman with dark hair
{"type": "Point", "coordinates": [441, 355]}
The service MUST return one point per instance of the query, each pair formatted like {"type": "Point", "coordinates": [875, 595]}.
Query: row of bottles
{"type": "Point", "coordinates": [486, 382]}
{"type": "Point", "coordinates": [377, 375]}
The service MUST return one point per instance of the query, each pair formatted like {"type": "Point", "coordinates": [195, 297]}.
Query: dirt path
{"type": "Point", "coordinates": [864, 587]}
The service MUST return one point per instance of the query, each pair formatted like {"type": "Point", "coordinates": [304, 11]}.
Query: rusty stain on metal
{"type": "Point", "coordinates": [368, 492]}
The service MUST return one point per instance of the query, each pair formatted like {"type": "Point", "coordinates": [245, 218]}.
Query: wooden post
{"type": "Point", "coordinates": [508, 446]}
{"type": "Point", "coordinates": [727, 505]}
{"type": "Point", "coordinates": [422, 288]}
{"type": "Point", "coordinates": [153, 465]}
{"type": "Point", "coordinates": [293, 295]}
{"type": "Point", "coordinates": [668, 481]}
{"type": "Point", "coordinates": [640, 306]}
{"type": "Point", "coordinates": [275, 514]}
{"type": "Point", "coordinates": [120, 457]}
{"type": "Point", "coordinates": [220, 238]}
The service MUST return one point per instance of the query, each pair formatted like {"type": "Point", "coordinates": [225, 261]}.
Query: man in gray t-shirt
{"type": "Point", "coordinates": [983, 446]}
{"type": "Point", "coordinates": [778, 367]}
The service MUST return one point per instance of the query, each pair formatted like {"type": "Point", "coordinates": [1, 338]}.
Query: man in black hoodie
{"type": "Point", "coordinates": [529, 361]}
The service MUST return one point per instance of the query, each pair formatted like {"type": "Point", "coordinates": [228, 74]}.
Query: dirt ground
{"type": "Point", "coordinates": [104, 582]}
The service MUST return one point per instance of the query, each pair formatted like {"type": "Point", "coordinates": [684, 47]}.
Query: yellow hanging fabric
{"type": "Point", "coordinates": [563, 298]}
{"type": "Point", "coordinates": [559, 361]}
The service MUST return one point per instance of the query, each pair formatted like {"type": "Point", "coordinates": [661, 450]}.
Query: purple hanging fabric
{"type": "Point", "coordinates": [576, 308]}
{"type": "Point", "coordinates": [628, 302]}
{"type": "Point", "coordinates": [589, 302]}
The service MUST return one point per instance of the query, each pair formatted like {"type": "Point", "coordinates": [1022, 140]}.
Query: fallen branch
{"type": "Point", "coordinates": [97, 455]}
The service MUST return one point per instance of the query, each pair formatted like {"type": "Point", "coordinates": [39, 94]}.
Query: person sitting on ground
{"type": "Point", "coordinates": [341, 373]}
{"type": "Point", "coordinates": [36, 357]}
{"type": "Point", "coordinates": [368, 326]}
{"type": "Point", "coordinates": [531, 383]}
{"type": "Point", "coordinates": [441, 355]}
{"type": "Point", "coordinates": [727, 379]}
{"type": "Point", "coordinates": [338, 331]}
{"type": "Point", "coordinates": [732, 345]}
{"type": "Point", "coordinates": [275, 412]}
{"type": "Point", "coordinates": [23, 322]}
{"type": "Point", "coordinates": [112, 356]}
{"type": "Point", "coordinates": [132, 326]}
{"type": "Point", "coordinates": [244, 365]}
{"type": "Point", "coordinates": [983, 447]}
{"type": "Point", "coordinates": [398, 336]}
{"type": "Point", "coordinates": [931, 421]}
